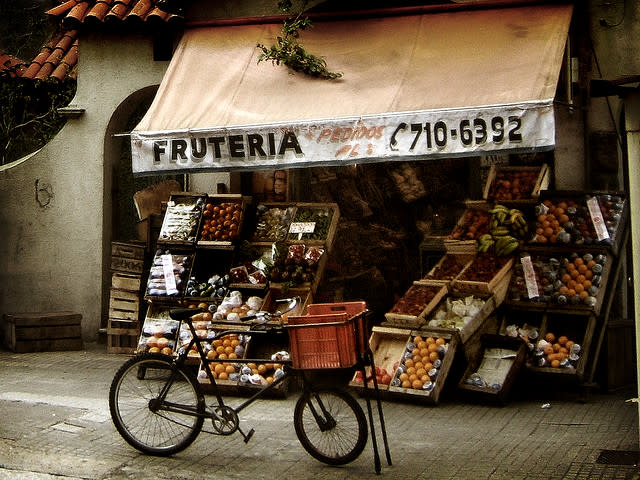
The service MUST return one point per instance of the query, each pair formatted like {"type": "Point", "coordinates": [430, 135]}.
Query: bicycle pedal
{"type": "Point", "coordinates": [248, 436]}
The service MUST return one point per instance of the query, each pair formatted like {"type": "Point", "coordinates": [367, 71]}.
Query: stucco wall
{"type": "Point", "coordinates": [51, 256]}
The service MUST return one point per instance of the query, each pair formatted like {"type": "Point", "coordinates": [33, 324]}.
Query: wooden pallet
{"type": "Point", "coordinates": [42, 332]}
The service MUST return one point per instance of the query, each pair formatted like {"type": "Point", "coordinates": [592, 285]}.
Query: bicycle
{"type": "Point", "coordinates": [158, 406]}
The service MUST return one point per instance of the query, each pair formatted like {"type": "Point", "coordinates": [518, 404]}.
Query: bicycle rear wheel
{"type": "Point", "coordinates": [330, 425]}
{"type": "Point", "coordinates": [142, 419]}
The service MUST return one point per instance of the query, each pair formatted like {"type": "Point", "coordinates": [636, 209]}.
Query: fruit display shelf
{"type": "Point", "coordinates": [447, 269]}
{"type": "Point", "coordinates": [181, 222]}
{"type": "Point", "coordinates": [491, 373]}
{"type": "Point", "coordinates": [410, 310]}
{"type": "Point", "coordinates": [580, 220]}
{"type": "Point", "coordinates": [424, 366]}
{"type": "Point", "coordinates": [516, 184]}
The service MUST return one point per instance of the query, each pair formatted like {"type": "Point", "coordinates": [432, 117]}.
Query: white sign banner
{"type": "Point", "coordinates": [423, 134]}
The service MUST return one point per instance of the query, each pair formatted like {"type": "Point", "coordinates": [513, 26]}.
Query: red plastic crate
{"type": "Point", "coordinates": [353, 309]}
{"type": "Point", "coordinates": [322, 341]}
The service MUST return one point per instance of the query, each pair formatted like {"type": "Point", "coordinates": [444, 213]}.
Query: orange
{"type": "Point", "coordinates": [223, 376]}
{"type": "Point", "coordinates": [421, 345]}
{"type": "Point", "coordinates": [421, 372]}
{"type": "Point", "coordinates": [218, 368]}
{"type": "Point", "coordinates": [556, 347]}
{"type": "Point", "coordinates": [424, 351]}
{"type": "Point", "coordinates": [432, 348]}
{"type": "Point", "coordinates": [416, 358]}
{"type": "Point", "coordinates": [571, 292]}
{"type": "Point", "coordinates": [583, 294]}
{"type": "Point", "coordinates": [433, 356]}
{"type": "Point", "coordinates": [430, 340]}
{"type": "Point", "coordinates": [417, 384]}
{"type": "Point", "coordinates": [565, 278]}
{"type": "Point", "coordinates": [406, 384]}
{"type": "Point", "coordinates": [403, 377]}
{"type": "Point", "coordinates": [579, 288]}
{"type": "Point", "coordinates": [555, 363]}
{"type": "Point", "coordinates": [550, 337]}
{"type": "Point", "coordinates": [229, 369]}
{"type": "Point", "coordinates": [417, 339]}
{"type": "Point", "coordinates": [408, 362]}
{"type": "Point", "coordinates": [411, 370]}
{"type": "Point", "coordinates": [562, 339]}
{"type": "Point", "coordinates": [548, 350]}
{"type": "Point", "coordinates": [440, 341]}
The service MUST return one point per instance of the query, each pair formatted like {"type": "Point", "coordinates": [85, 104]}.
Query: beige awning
{"type": "Point", "coordinates": [424, 86]}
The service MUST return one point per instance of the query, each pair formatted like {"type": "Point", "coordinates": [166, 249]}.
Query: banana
{"type": "Point", "coordinates": [500, 231]}
{"type": "Point", "coordinates": [509, 248]}
{"type": "Point", "coordinates": [485, 238]}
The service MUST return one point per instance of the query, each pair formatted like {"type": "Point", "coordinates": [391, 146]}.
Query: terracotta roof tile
{"type": "Point", "coordinates": [13, 65]}
{"type": "Point", "coordinates": [57, 58]}
{"type": "Point", "coordinates": [75, 13]}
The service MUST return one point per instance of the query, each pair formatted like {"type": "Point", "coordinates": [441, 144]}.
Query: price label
{"type": "Point", "coordinates": [596, 217]}
{"type": "Point", "coordinates": [169, 278]}
{"type": "Point", "coordinates": [530, 277]}
{"type": "Point", "coordinates": [301, 228]}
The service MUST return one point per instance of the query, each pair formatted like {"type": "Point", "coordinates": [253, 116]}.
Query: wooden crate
{"type": "Point", "coordinates": [432, 395]}
{"type": "Point", "coordinates": [122, 336]}
{"type": "Point", "coordinates": [497, 362]}
{"type": "Point", "coordinates": [435, 275]}
{"type": "Point", "coordinates": [217, 200]}
{"type": "Point", "coordinates": [129, 282]}
{"type": "Point", "coordinates": [463, 244]}
{"type": "Point", "coordinates": [124, 305]}
{"type": "Point", "coordinates": [387, 345]}
{"type": "Point", "coordinates": [401, 320]}
{"type": "Point", "coordinates": [42, 332]}
{"type": "Point", "coordinates": [181, 222]}
{"type": "Point", "coordinates": [468, 330]}
{"type": "Point", "coordinates": [461, 286]}
{"type": "Point", "coordinates": [127, 257]}
{"type": "Point", "coordinates": [543, 178]}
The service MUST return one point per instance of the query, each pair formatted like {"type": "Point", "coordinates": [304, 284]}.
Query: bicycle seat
{"type": "Point", "coordinates": [183, 313]}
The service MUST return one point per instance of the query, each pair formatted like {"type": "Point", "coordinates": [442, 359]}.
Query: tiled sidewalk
{"type": "Point", "coordinates": [55, 424]}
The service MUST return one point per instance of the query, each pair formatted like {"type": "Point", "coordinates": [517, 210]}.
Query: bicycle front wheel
{"type": "Point", "coordinates": [153, 421]}
{"type": "Point", "coordinates": [330, 425]}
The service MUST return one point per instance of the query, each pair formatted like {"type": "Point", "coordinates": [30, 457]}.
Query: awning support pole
{"type": "Point", "coordinates": [632, 126]}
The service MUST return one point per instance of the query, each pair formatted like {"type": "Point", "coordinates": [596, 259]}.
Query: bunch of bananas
{"type": "Point", "coordinates": [507, 229]}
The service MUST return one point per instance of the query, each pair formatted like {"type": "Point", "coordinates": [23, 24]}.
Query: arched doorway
{"type": "Point", "coordinates": [120, 215]}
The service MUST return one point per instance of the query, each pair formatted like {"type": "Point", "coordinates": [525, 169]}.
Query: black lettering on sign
{"type": "Point", "coordinates": [158, 149]}
{"type": "Point", "coordinates": [216, 141]}
{"type": "Point", "coordinates": [236, 146]}
{"type": "Point", "coordinates": [198, 149]}
{"type": "Point", "coordinates": [255, 145]}
{"type": "Point", "coordinates": [178, 150]}
{"type": "Point", "coordinates": [289, 142]}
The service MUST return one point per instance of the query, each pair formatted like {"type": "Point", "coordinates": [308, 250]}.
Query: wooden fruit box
{"type": "Point", "coordinates": [387, 345]}
{"type": "Point", "coordinates": [448, 268]}
{"type": "Point", "coordinates": [228, 233]}
{"type": "Point", "coordinates": [183, 263]}
{"type": "Point", "coordinates": [122, 336]}
{"type": "Point", "coordinates": [518, 294]}
{"type": "Point", "coordinates": [497, 364]}
{"type": "Point", "coordinates": [400, 317]}
{"type": "Point", "coordinates": [127, 257]}
{"type": "Point", "coordinates": [578, 328]}
{"type": "Point", "coordinates": [462, 285]}
{"type": "Point", "coordinates": [611, 212]}
{"type": "Point", "coordinates": [124, 305]}
{"type": "Point", "coordinates": [447, 354]}
{"type": "Point", "coordinates": [271, 222]}
{"type": "Point", "coordinates": [472, 224]}
{"type": "Point", "coordinates": [314, 224]}
{"type": "Point", "coordinates": [539, 178]}
{"type": "Point", "coordinates": [311, 285]}
{"type": "Point", "coordinates": [274, 293]}
{"type": "Point", "coordinates": [182, 218]}
{"type": "Point", "coordinates": [42, 331]}
{"type": "Point", "coordinates": [158, 324]}
{"type": "Point", "coordinates": [126, 281]}
{"type": "Point", "coordinates": [467, 331]}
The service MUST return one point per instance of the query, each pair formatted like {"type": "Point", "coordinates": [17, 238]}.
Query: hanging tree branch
{"type": "Point", "coordinates": [288, 51]}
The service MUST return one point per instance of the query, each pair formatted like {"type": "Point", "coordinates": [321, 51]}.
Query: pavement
{"type": "Point", "coordinates": [55, 425]}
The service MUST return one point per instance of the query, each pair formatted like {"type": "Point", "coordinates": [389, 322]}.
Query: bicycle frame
{"type": "Point", "coordinates": [182, 358]}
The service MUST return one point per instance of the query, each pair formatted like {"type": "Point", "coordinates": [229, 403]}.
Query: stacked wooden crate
{"type": "Point", "coordinates": [42, 331]}
{"type": "Point", "coordinates": [127, 265]}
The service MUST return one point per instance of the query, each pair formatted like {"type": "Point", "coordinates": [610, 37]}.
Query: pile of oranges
{"type": "Point", "coordinates": [558, 351]}
{"type": "Point", "coordinates": [577, 279]}
{"type": "Point", "coordinates": [421, 364]}
{"type": "Point", "coordinates": [551, 223]}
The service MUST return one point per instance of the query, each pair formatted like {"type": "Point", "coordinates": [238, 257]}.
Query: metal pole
{"type": "Point", "coordinates": [632, 128]}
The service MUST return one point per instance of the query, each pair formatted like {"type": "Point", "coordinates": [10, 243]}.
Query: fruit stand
{"type": "Point", "coordinates": [227, 259]}
{"type": "Point", "coordinates": [527, 278]}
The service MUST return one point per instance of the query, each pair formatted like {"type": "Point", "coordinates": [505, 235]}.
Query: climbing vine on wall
{"type": "Point", "coordinates": [287, 49]}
